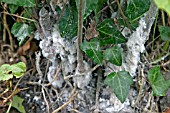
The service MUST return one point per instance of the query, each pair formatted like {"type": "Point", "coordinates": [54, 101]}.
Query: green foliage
{"type": "Point", "coordinates": [13, 8]}
{"type": "Point", "coordinates": [21, 31]}
{"type": "Point", "coordinates": [92, 50]}
{"type": "Point", "coordinates": [114, 55]}
{"type": "Point", "coordinates": [136, 8]}
{"type": "Point", "coordinates": [163, 4]}
{"type": "Point", "coordinates": [120, 83]}
{"type": "Point", "coordinates": [158, 83]}
{"type": "Point", "coordinates": [24, 3]}
{"type": "Point", "coordinates": [109, 34]}
{"type": "Point", "coordinates": [165, 33]}
{"type": "Point", "coordinates": [17, 104]}
{"type": "Point", "coordinates": [68, 23]}
{"type": "Point", "coordinates": [89, 6]}
{"type": "Point", "coordinates": [98, 8]}
{"type": "Point", "coordinates": [8, 71]}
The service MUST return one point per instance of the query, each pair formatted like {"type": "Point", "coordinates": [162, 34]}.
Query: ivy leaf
{"type": "Point", "coordinates": [158, 83]}
{"type": "Point", "coordinates": [136, 8]}
{"type": "Point", "coordinates": [89, 6]}
{"type": "Point", "coordinates": [24, 3]}
{"type": "Point", "coordinates": [18, 69]}
{"type": "Point", "coordinates": [13, 8]}
{"type": "Point", "coordinates": [68, 22]}
{"type": "Point", "coordinates": [120, 83]}
{"type": "Point", "coordinates": [8, 71]}
{"type": "Point", "coordinates": [114, 55]}
{"type": "Point", "coordinates": [165, 33]}
{"type": "Point", "coordinates": [163, 5]}
{"type": "Point", "coordinates": [5, 72]}
{"type": "Point", "coordinates": [92, 50]}
{"type": "Point", "coordinates": [109, 34]}
{"type": "Point", "coordinates": [21, 31]}
{"type": "Point", "coordinates": [17, 104]}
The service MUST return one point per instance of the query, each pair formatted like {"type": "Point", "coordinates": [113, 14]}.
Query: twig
{"type": "Point", "coordinates": [55, 77]}
{"type": "Point", "coordinates": [79, 36]}
{"type": "Point", "coordinates": [148, 103]}
{"type": "Point", "coordinates": [96, 106]}
{"type": "Point", "coordinates": [4, 29]}
{"type": "Point", "coordinates": [124, 17]}
{"type": "Point", "coordinates": [141, 82]}
{"type": "Point", "coordinates": [48, 108]}
{"type": "Point", "coordinates": [106, 7]}
{"type": "Point", "coordinates": [75, 110]}
{"type": "Point", "coordinates": [20, 17]}
{"type": "Point", "coordinates": [38, 54]}
{"type": "Point", "coordinates": [8, 30]}
{"type": "Point", "coordinates": [160, 59]}
{"type": "Point", "coordinates": [65, 104]}
{"type": "Point", "coordinates": [81, 74]}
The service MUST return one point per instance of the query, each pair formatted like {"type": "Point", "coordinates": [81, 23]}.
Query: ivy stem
{"type": "Point", "coordinates": [124, 17]}
{"type": "Point", "coordinates": [79, 36]}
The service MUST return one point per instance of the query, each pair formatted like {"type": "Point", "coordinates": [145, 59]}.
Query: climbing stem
{"type": "Point", "coordinates": [79, 35]}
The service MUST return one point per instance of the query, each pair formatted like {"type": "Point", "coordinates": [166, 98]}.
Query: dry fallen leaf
{"type": "Point", "coordinates": [91, 31]}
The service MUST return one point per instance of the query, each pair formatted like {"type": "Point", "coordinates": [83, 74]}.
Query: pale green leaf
{"type": "Point", "coordinates": [163, 4]}
{"type": "Point", "coordinates": [5, 76]}
{"type": "Point", "coordinates": [18, 69]}
{"type": "Point", "coordinates": [120, 83]}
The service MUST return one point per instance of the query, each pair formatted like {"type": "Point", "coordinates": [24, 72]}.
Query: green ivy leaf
{"type": "Point", "coordinates": [120, 83]}
{"type": "Point", "coordinates": [8, 71]}
{"type": "Point", "coordinates": [163, 5]}
{"type": "Point", "coordinates": [158, 83]}
{"type": "Point", "coordinates": [17, 104]}
{"type": "Point", "coordinates": [13, 8]}
{"type": "Point", "coordinates": [21, 31]}
{"type": "Point", "coordinates": [89, 6]}
{"type": "Point", "coordinates": [5, 77]}
{"type": "Point", "coordinates": [114, 55]}
{"type": "Point", "coordinates": [165, 33]}
{"type": "Point", "coordinates": [18, 69]}
{"type": "Point", "coordinates": [5, 72]}
{"type": "Point", "coordinates": [68, 22]}
{"type": "Point", "coordinates": [92, 50]}
{"type": "Point", "coordinates": [24, 3]}
{"type": "Point", "coordinates": [109, 34]}
{"type": "Point", "coordinates": [136, 8]}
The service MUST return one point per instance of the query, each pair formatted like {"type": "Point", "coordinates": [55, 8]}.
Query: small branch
{"type": "Point", "coordinates": [79, 36]}
{"type": "Point", "coordinates": [8, 30]}
{"type": "Point", "coordinates": [37, 64]}
{"type": "Point", "coordinates": [124, 17]}
{"type": "Point", "coordinates": [66, 104]}
{"type": "Point", "coordinates": [20, 17]}
{"type": "Point", "coordinates": [55, 77]}
{"type": "Point", "coordinates": [4, 29]}
{"type": "Point", "coordinates": [81, 74]}
{"type": "Point", "coordinates": [141, 82]}
{"type": "Point", "coordinates": [48, 108]}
